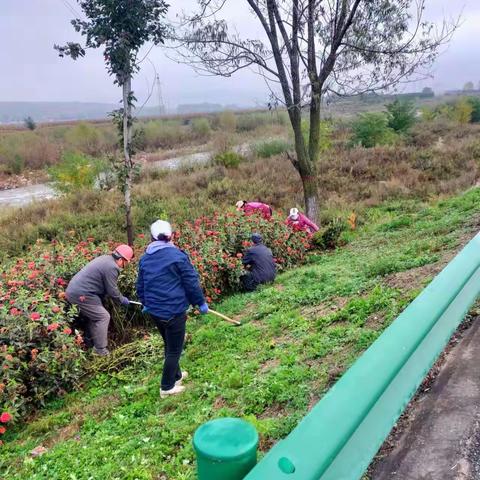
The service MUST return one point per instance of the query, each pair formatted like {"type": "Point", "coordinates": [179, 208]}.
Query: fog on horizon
{"type": "Point", "coordinates": [34, 72]}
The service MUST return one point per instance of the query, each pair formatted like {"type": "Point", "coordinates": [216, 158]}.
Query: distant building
{"type": "Point", "coordinates": [456, 93]}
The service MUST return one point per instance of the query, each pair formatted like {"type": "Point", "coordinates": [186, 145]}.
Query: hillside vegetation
{"type": "Point", "coordinates": [22, 150]}
{"type": "Point", "coordinates": [297, 337]}
{"type": "Point", "coordinates": [399, 196]}
{"type": "Point", "coordinates": [440, 158]}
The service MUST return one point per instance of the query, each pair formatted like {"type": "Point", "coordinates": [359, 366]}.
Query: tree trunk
{"type": "Point", "coordinates": [127, 138]}
{"type": "Point", "coordinates": [306, 167]}
{"type": "Point", "coordinates": [310, 193]}
{"type": "Point", "coordinates": [310, 185]}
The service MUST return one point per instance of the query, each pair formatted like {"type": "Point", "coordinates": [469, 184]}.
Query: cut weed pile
{"type": "Point", "coordinates": [298, 336]}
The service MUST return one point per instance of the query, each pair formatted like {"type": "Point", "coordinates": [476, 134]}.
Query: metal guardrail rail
{"type": "Point", "coordinates": [339, 437]}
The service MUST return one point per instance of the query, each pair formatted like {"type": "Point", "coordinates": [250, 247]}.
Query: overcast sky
{"type": "Point", "coordinates": [32, 71]}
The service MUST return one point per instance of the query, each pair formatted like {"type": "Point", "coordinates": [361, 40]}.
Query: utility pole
{"type": "Point", "coordinates": [161, 105]}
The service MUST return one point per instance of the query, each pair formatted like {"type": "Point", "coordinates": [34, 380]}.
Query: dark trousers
{"type": "Point", "coordinates": [249, 284]}
{"type": "Point", "coordinates": [173, 334]}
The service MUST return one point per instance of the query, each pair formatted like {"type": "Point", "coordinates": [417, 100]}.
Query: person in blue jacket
{"type": "Point", "coordinates": [167, 285]}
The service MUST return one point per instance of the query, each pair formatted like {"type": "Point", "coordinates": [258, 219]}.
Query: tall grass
{"type": "Point", "coordinates": [24, 149]}
{"type": "Point", "coordinates": [90, 140]}
{"type": "Point", "coordinates": [271, 148]}
{"type": "Point", "coordinates": [349, 179]}
{"type": "Point", "coordinates": [201, 128]}
{"type": "Point", "coordinates": [27, 149]}
{"type": "Point", "coordinates": [163, 134]}
{"type": "Point", "coordinates": [247, 122]}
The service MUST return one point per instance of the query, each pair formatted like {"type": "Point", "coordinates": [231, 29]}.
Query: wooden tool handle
{"type": "Point", "coordinates": [221, 315]}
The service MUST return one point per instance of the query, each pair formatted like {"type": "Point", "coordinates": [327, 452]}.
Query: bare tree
{"type": "Point", "coordinates": [312, 48]}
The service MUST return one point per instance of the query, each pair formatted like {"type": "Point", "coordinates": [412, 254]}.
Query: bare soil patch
{"type": "Point", "coordinates": [26, 179]}
{"type": "Point", "coordinates": [413, 278]}
{"type": "Point", "coordinates": [325, 308]}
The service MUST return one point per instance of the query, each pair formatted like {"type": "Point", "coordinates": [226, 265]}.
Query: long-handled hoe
{"type": "Point", "coordinates": [221, 315]}
{"type": "Point", "coordinates": [218, 314]}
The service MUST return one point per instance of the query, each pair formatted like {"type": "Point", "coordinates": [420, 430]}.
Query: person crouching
{"type": "Point", "coordinates": [259, 262]}
{"type": "Point", "coordinates": [250, 208]}
{"type": "Point", "coordinates": [88, 288]}
{"type": "Point", "coordinates": [299, 221]}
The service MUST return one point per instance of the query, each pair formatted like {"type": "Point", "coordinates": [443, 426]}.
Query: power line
{"type": "Point", "coordinates": [68, 5]}
{"type": "Point", "coordinates": [73, 8]}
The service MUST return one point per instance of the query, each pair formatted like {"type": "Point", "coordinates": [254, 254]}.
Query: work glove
{"type": "Point", "coordinates": [203, 308]}
{"type": "Point", "coordinates": [125, 301]}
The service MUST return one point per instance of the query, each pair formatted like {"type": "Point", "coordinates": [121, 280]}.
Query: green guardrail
{"type": "Point", "coordinates": [342, 433]}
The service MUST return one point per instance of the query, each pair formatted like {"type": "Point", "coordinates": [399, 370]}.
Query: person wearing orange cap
{"type": "Point", "coordinates": [88, 288]}
{"type": "Point", "coordinates": [254, 207]}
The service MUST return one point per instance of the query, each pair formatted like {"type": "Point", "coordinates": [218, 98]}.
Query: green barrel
{"type": "Point", "coordinates": [226, 449]}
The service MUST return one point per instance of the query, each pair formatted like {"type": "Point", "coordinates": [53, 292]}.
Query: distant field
{"type": "Point", "coordinates": [24, 152]}
{"type": "Point", "coordinates": [22, 149]}
{"type": "Point", "coordinates": [183, 117]}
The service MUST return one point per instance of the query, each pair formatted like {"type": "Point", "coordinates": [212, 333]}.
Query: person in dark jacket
{"type": "Point", "coordinates": [90, 286]}
{"type": "Point", "coordinates": [259, 262]}
{"type": "Point", "coordinates": [167, 285]}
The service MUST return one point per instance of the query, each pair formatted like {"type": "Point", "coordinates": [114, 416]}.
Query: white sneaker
{"type": "Point", "coordinates": [184, 376]}
{"type": "Point", "coordinates": [173, 391]}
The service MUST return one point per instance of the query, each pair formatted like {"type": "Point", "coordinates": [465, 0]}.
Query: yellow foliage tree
{"type": "Point", "coordinates": [462, 111]}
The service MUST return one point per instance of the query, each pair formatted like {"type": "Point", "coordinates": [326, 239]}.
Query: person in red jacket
{"type": "Point", "coordinates": [300, 221]}
{"type": "Point", "coordinates": [254, 207]}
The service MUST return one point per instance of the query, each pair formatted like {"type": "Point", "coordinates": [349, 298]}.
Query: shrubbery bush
{"type": "Point", "coordinates": [401, 116]}
{"type": "Point", "coordinates": [228, 159]}
{"type": "Point", "coordinates": [41, 354]}
{"type": "Point", "coordinates": [247, 122]}
{"type": "Point", "coordinates": [329, 236]}
{"type": "Point", "coordinates": [371, 129]}
{"type": "Point", "coordinates": [475, 104]}
{"type": "Point", "coordinates": [88, 139]}
{"type": "Point", "coordinates": [464, 110]}
{"type": "Point", "coordinates": [326, 132]}
{"type": "Point", "coordinates": [75, 172]}
{"type": "Point", "coordinates": [201, 128]}
{"type": "Point", "coordinates": [27, 150]}
{"type": "Point", "coordinates": [270, 148]}
{"type": "Point", "coordinates": [163, 134]}
{"type": "Point", "coordinates": [227, 122]}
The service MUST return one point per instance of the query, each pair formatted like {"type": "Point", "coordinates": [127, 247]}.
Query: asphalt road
{"type": "Point", "coordinates": [442, 439]}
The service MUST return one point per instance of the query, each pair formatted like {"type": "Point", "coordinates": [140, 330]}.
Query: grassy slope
{"type": "Point", "coordinates": [298, 337]}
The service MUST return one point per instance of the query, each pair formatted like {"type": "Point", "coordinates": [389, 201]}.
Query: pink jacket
{"type": "Point", "coordinates": [263, 208]}
{"type": "Point", "coordinates": [303, 223]}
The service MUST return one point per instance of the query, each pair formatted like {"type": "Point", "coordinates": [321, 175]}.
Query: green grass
{"type": "Point", "coordinates": [270, 148]}
{"type": "Point", "coordinates": [297, 338]}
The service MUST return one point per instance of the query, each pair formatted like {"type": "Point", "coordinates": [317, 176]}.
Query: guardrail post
{"type": "Point", "coordinates": [226, 449]}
